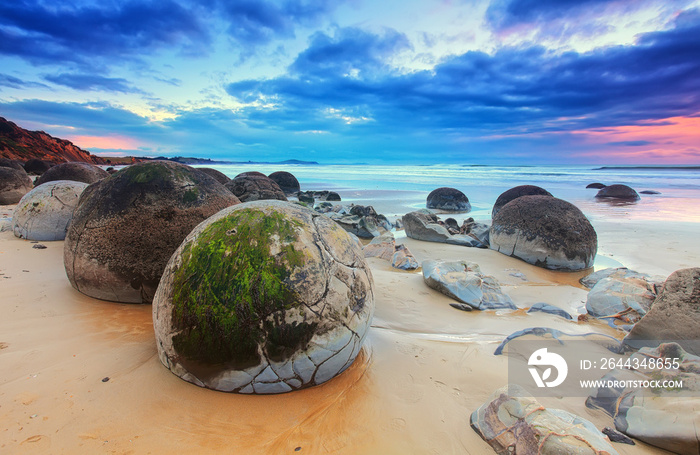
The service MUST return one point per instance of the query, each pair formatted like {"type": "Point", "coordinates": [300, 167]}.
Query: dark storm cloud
{"type": "Point", "coordinates": [514, 89]}
{"type": "Point", "coordinates": [89, 82]}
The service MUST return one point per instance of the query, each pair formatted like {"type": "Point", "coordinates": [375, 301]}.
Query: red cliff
{"type": "Point", "coordinates": [19, 144]}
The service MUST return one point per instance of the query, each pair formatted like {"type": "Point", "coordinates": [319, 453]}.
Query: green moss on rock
{"type": "Point", "coordinates": [229, 284]}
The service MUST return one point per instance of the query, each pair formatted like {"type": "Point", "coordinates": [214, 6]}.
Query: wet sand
{"type": "Point", "coordinates": [78, 375]}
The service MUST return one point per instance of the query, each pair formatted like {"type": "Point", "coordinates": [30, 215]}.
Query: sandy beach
{"type": "Point", "coordinates": [79, 375]}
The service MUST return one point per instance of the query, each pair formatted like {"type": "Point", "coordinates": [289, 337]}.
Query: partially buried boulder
{"type": "Point", "coordinates": [448, 199]}
{"type": "Point", "coordinates": [516, 192]}
{"type": "Point", "coordinates": [264, 297]}
{"type": "Point", "coordinates": [545, 231]}
{"type": "Point", "coordinates": [595, 185]}
{"type": "Point", "coordinates": [45, 212]}
{"type": "Point", "coordinates": [423, 225]}
{"type": "Point", "coordinates": [254, 187]}
{"type": "Point", "coordinates": [217, 175]}
{"type": "Point", "coordinates": [13, 185]}
{"type": "Point", "coordinates": [513, 422]}
{"type": "Point", "coordinates": [12, 164]}
{"type": "Point", "coordinates": [624, 299]}
{"type": "Point", "coordinates": [127, 226]}
{"type": "Point", "coordinates": [286, 181]}
{"type": "Point", "coordinates": [77, 172]}
{"type": "Point", "coordinates": [464, 282]}
{"type": "Point", "coordinates": [617, 192]}
{"type": "Point", "coordinates": [36, 166]}
{"type": "Point", "coordinates": [674, 315]}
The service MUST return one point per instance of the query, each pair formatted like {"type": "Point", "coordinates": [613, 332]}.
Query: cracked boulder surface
{"type": "Point", "coordinates": [252, 187]}
{"type": "Point", "coordinates": [516, 192]}
{"type": "Point", "coordinates": [13, 185]}
{"type": "Point", "coordinates": [449, 199]}
{"type": "Point", "coordinates": [546, 232]}
{"type": "Point", "coordinates": [127, 226]}
{"type": "Point", "coordinates": [45, 212]}
{"type": "Point", "coordinates": [513, 422]}
{"type": "Point", "coordinates": [77, 172]}
{"type": "Point", "coordinates": [263, 297]}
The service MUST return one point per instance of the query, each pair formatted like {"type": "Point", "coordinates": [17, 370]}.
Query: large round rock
{"type": "Point", "coordinates": [217, 175]}
{"type": "Point", "coordinates": [36, 166]}
{"type": "Point", "coordinates": [127, 226]}
{"type": "Point", "coordinates": [516, 192]}
{"type": "Point", "coordinates": [545, 231]}
{"type": "Point", "coordinates": [45, 212]}
{"type": "Point", "coordinates": [13, 185]}
{"type": "Point", "coordinates": [618, 192]}
{"type": "Point", "coordinates": [449, 199]}
{"type": "Point", "coordinates": [253, 187]}
{"type": "Point", "coordinates": [286, 181]}
{"type": "Point", "coordinates": [263, 297]}
{"type": "Point", "coordinates": [77, 172]}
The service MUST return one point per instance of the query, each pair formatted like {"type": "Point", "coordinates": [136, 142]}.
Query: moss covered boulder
{"type": "Point", "coordinates": [127, 226]}
{"type": "Point", "coordinates": [263, 297]}
{"type": "Point", "coordinates": [45, 212]}
{"type": "Point", "coordinates": [544, 231]}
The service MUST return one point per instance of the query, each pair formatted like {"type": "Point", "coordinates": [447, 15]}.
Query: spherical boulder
{"type": "Point", "coordinates": [78, 172]}
{"type": "Point", "coordinates": [12, 164]}
{"type": "Point", "coordinates": [250, 173]}
{"type": "Point", "coordinates": [255, 188]}
{"type": "Point", "coordinates": [286, 181]}
{"type": "Point", "coordinates": [596, 185]}
{"type": "Point", "coordinates": [36, 166]}
{"type": "Point", "coordinates": [217, 175]}
{"type": "Point", "coordinates": [449, 199]}
{"type": "Point", "coordinates": [263, 297]}
{"type": "Point", "coordinates": [45, 212]}
{"type": "Point", "coordinates": [545, 231]}
{"type": "Point", "coordinates": [516, 192]}
{"type": "Point", "coordinates": [127, 226]}
{"type": "Point", "coordinates": [13, 185]}
{"type": "Point", "coordinates": [617, 192]}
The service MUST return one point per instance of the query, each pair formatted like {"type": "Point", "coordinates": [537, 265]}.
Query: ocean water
{"type": "Point", "coordinates": [397, 189]}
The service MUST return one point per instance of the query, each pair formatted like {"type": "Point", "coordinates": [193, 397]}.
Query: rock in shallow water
{"type": "Point", "coordinates": [448, 199]}
{"type": "Point", "coordinates": [545, 231]}
{"type": "Point", "coordinates": [264, 297]}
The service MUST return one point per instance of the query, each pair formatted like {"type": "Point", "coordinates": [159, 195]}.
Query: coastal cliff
{"type": "Point", "coordinates": [16, 143]}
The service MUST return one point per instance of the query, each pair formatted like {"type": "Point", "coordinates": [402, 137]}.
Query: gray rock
{"type": "Point", "coordinates": [544, 231]}
{"type": "Point", "coordinates": [448, 199]}
{"type": "Point", "coordinates": [78, 172]}
{"type": "Point", "coordinates": [380, 247]}
{"type": "Point", "coordinates": [607, 341]}
{"type": "Point", "coordinates": [464, 282]}
{"type": "Point", "coordinates": [512, 422]}
{"type": "Point", "coordinates": [45, 212]}
{"type": "Point", "coordinates": [620, 273]}
{"type": "Point", "coordinates": [216, 175]}
{"type": "Point", "coordinates": [610, 297]}
{"type": "Point", "coordinates": [649, 192]}
{"type": "Point", "coordinates": [423, 225]}
{"type": "Point", "coordinates": [253, 187]}
{"type": "Point", "coordinates": [286, 181]}
{"type": "Point", "coordinates": [13, 185]}
{"type": "Point", "coordinates": [547, 308]}
{"type": "Point", "coordinates": [465, 240]}
{"type": "Point", "coordinates": [296, 317]}
{"type": "Point", "coordinates": [516, 192]}
{"type": "Point", "coordinates": [126, 227]}
{"type": "Point", "coordinates": [623, 192]}
{"type": "Point", "coordinates": [403, 259]}
{"type": "Point", "coordinates": [674, 315]}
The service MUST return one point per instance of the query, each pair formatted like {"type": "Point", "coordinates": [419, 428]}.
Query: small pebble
{"type": "Point", "coordinates": [297, 449]}
{"type": "Point", "coordinates": [105, 379]}
{"type": "Point", "coordinates": [39, 246]}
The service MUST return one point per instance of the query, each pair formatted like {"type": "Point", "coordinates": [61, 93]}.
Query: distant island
{"type": "Point", "coordinates": [648, 168]}
{"type": "Point", "coordinates": [17, 143]}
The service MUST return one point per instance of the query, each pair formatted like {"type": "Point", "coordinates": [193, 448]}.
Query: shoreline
{"type": "Point", "coordinates": [424, 368]}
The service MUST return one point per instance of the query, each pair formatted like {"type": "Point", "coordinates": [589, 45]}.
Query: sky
{"type": "Point", "coordinates": [360, 81]}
